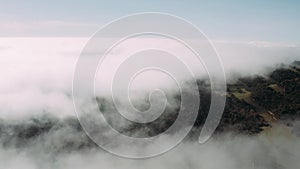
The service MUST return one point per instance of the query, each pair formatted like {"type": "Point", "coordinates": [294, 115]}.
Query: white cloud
{"type": "Point", "coordinates": [36, 73]}
{"type": "Point", "coordinates": [36, 77]}
{"type": "Point", "coordinates": [270, 150]}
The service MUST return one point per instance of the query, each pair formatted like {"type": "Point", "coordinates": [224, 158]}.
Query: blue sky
{"type": "Point", "coordinates": [227, 19]}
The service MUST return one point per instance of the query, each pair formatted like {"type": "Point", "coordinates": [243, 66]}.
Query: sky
{"type": "Point", "coordinates": [269, 20]}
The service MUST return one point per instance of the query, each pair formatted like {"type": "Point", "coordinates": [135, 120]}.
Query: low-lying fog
{"type": "Point", "coordinates": [37, 78]}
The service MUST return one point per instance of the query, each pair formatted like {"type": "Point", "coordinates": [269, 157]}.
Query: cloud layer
{"type": "Point", "coordinates": [37, 72]}
{"type": "Point", "coordinates": [37, 78]}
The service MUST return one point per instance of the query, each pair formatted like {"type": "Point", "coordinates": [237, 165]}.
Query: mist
{"type": "Point", "coordinates": [37, 72]}
{"type": "Point", "coordinates": [64, 145]}
{"type": "Point", "coordinates": [39, 128]}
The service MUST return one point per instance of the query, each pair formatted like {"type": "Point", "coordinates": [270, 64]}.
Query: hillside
{"type": "Point", "coordinates": [253, 104]}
